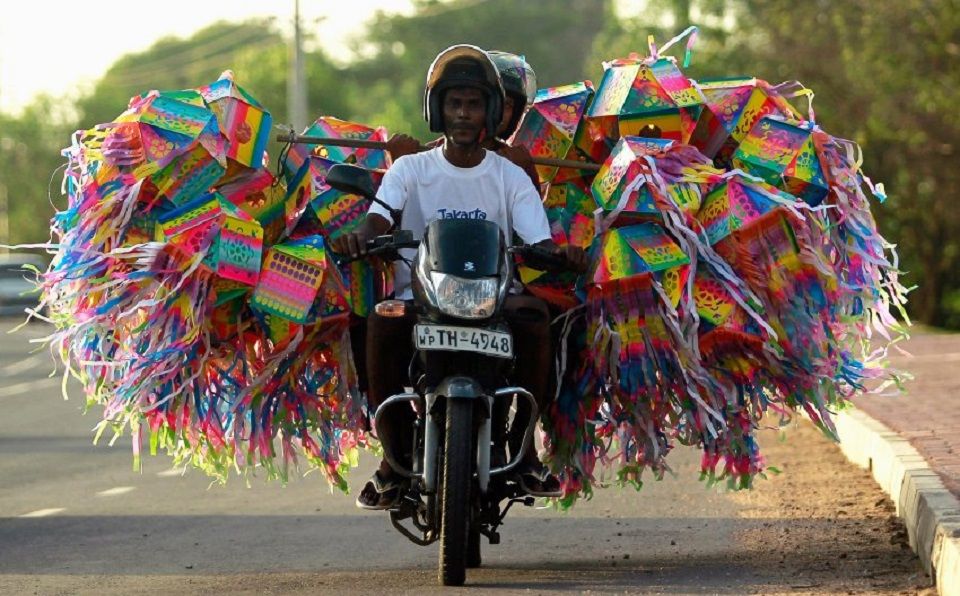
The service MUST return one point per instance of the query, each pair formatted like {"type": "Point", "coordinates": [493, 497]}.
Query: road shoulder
{"type": "Point", "coordinates": [930, 512]}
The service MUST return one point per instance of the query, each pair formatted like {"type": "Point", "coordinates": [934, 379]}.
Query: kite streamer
{"type": "Point", "coordinates": [737, 272]}
{"type": "Point", "coordinates": [199, 325]}
{"type": "Point", "coordinates": [737, 277]}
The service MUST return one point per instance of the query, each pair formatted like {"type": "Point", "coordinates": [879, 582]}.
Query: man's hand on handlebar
{"type": "Point", "coordinates": [574, 255]}
{"type": "Point", "coordinates": [354, 244]}
{"type": "Point", "coordinates": [577, 257]}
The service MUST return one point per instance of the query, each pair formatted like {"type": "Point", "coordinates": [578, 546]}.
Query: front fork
{"type": "Point", "coordinates": [433, 429]}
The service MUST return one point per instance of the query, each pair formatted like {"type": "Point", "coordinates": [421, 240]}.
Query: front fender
{"type": "Point", "coordinates": [459, 387]}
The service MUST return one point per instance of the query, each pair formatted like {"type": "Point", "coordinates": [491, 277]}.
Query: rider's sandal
{"type": "Point", "coordinates": [539, 482]}
{"type": "Point", "coordinates": [386, 491]}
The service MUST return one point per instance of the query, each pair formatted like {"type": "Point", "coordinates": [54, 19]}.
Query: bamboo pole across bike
{"type": "Point", "coordinates": [366, 144]}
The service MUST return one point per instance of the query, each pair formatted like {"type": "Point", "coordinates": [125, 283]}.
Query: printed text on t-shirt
{"type": "Point", "coordinates": [458, 214]}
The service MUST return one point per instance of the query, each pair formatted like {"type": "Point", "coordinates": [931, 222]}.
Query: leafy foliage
{"type": "Point", "coordinates": [885, 75]}
{"type": "Point", "coordinates": [551, 36]}
{"type": "Point", "coordinates": [29, 160]}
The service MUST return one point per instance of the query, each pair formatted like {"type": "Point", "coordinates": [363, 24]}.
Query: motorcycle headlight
{"type": "Point", "coordinates": [465, 298]}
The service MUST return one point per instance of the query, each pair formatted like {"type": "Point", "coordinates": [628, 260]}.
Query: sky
{"type": "Point", "coordinates": [56, 46]}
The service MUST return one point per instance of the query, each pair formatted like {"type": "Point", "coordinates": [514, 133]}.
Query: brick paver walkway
{"type": "Point", "coordinates": [929, 413]}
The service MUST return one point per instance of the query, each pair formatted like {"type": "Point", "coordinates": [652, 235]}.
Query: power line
{"type": "Point", "coordinates": [445, 7]}
{"type": "Point", "coordinates": [151, 76]}
{"type": "Point", "coordinates": [136, 73]}
{"type": "Point", "coordinates": [196, 54]}
{"type": "Point", "coordinates": [225, 38]}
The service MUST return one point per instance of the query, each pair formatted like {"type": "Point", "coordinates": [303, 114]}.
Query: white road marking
{"type": "Point", "coordinates": [28, 386]}
{"type": "Point", "coordinates": [25, 364]}
{"type": "Point", "coordinates": [170, 473]}
{"type": "Point", "coordinates": [44, 512]}
{"type": "Point", "coordinates": [117, 490]}
{"type": "Point", "coordinates": [945, 357]}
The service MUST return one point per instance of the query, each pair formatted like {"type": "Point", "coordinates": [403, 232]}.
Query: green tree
{"type": "Point", "coordinates": [885, 76]}
{"type": "Point", "coordinates": [175, 63]}
{"type": "Point", "coordinates": [30, 145]}
{"type": "Point", "coordinates": [254, 50]}
{"type": "Point", "coordinates": [387, 84]}
{"type": "Point", "coordinates": [903, 62]}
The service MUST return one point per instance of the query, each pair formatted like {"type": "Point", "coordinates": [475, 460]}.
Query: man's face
{"type": "Point", "coordinates": [464, 115]}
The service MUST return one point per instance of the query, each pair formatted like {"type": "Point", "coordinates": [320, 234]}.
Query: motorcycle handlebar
{"type": "Point", "coordinates": [533, 256]}
{"type": "Point", "coordinates": [537, 257]}
{"type": "Point", "coordinates": [382, 245]}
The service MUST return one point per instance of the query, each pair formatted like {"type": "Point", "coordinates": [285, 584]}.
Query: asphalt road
{"type": "Point", "coordinates": [76, 519]}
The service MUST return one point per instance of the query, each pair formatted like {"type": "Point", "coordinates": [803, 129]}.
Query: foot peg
{"type": "Point", "coordinates": [492, 535]}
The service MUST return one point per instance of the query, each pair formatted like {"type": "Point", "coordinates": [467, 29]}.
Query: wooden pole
{"type": "Point", "coordinates": [365, 144]}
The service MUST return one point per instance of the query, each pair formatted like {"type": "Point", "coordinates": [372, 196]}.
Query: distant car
{"type": "Point", "coordinates": [17, 291]}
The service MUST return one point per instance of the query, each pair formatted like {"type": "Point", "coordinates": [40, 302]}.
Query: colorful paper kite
{"type": "Point", "coordinates": [736, 276]}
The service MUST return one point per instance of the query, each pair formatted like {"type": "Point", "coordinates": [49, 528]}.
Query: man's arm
{"type": "Point", "coordinates": [530, 222]}
{"type": "Point", "coordinates": [519, 155]}
{"type": "Point", "coordinates": [377, 221]}
{"type": "Point", "coordinates": [400, 144]}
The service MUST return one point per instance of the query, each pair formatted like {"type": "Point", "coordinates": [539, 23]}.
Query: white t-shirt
{"type": "Point", "coordinates": [427, 187]}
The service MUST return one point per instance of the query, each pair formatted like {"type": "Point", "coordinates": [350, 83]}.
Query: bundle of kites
{"type": "Point", "coordinates": [736, 274]}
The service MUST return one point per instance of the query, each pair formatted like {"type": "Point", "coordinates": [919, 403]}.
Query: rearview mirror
{"type": "Point", "coordinates": [351, 179]}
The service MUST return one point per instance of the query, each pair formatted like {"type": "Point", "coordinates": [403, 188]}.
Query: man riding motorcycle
{"type": "Point", "coordinates": [463, 99]}
{"type": "Point", "coordinates": [520, 87]}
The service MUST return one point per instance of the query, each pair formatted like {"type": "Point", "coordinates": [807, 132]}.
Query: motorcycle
{"type": "Point", "coordinates": [459, 479]}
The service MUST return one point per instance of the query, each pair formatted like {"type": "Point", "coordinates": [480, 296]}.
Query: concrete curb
{"type": "Point", "coordinates": [930, 512]}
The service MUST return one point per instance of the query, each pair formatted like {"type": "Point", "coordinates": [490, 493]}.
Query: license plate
{"type": "Point", "coordinates": [464, 339]}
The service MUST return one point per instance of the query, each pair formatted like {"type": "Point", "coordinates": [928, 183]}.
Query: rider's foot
{"type": "Point", "coordinates": [536, 480]}
{"type": "Point", "coordinates": [380, 492]}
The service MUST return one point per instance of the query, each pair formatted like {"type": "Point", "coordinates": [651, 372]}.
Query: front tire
{"type": "Point", "coordinates": [457, 475]}
{"type": "Point", "coordinates": [474, 560]}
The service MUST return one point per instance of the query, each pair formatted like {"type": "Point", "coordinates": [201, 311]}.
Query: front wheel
{"type": "Point", "coordinates": [474, 558]}
{"type": "Point", "coordinates": [455, 491]}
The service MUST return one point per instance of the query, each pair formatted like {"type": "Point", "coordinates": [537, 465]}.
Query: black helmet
{"type": "Point", "coordinates": [519, 82]}
{"type": "Point", "coordinates": [462, 66]}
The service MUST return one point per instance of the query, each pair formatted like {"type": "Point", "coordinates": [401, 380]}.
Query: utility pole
{"type": "Point", "coordinates": [297, 78]}
{"type": "Point", "coordinates": [4, 217]}
{"type": "Point", "coordinates": [4, 205]}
